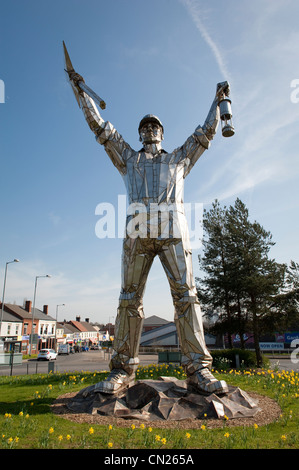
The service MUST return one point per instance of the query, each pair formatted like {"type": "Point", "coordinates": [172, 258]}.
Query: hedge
{"type": "Point", "coordinates": [227, 357]}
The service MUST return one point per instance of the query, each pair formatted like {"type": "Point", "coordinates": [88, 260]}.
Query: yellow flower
{"type": "Point", "coordinates": [110, 427]}
{"type": "Point", "coordinates": [202, 427]}
{"type": "Point", "coordinates": [51, 430]}
{"type": "Point", "coordinates": [163, 441]}
{"type": "Point", "coordinates": [142, 426]}
{"type": "Point", "coordinates": [150, 429]}
{"type": "Point", "coordinates": [68, 437]}
{"type": "Point", "coordinates": [21, 413]}
{"type": "Point", "coordinates": [283, 437]}
{"type": "Point", "coordinates": [16, 439]}
{"type": "Point", "coordinates": [91, 431]}
{"type": "Point", "coordinates": [157, 437]}
{"type": "Point", "coordinates": [225, 417]}
{"type": "Point", "coordinates": [110, 444]}
{"type": "Point", "coordinates": [188, 435]}
{"type": "Point", "coordinates": [60, 437]}
{"type": "Point", "coordinates": [133, 426]}
{"type": "Point", "coordinates": [27, 416]}
{"type": "Point", "coordinates": [226, 434]}
{"type": "Point", "coordinates": [9, 440]}
{"type": "Point", "coordinates": [255, 426]}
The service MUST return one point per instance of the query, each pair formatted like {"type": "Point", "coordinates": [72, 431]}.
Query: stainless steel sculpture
{"type": "Point", "coordinates": [154, 181]}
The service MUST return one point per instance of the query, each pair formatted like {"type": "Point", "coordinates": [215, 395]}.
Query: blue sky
{"type": "Point", "coordinates": [163, 57]}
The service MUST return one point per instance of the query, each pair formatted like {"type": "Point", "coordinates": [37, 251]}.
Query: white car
{"type": "Point", "coordinates": [46, 355]}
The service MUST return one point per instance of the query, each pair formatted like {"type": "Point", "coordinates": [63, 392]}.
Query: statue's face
{"type": "Point", "coordinates": [151, 133]}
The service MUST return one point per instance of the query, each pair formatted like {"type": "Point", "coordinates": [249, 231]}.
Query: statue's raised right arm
{"type": "Point", "coordinates": [115, 146]}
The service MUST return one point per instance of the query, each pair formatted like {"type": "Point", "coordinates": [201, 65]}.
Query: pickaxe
{"type": "Point", "coordinates": [70, 69]}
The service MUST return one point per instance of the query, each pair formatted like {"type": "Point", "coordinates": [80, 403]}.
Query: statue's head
{"type": "Point", "coordinates": [150, 130]}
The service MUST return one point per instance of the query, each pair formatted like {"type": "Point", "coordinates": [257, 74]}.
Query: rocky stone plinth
{"type": "Point", "coordinates": [165, 399]}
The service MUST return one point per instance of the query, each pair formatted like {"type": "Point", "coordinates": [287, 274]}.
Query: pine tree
{"type": "Point", "coordinates": [241, 279]}
{"type": "Point", "coordinates": [214, 289]}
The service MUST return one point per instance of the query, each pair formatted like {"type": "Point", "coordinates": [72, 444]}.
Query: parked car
{"type": "Point", "coordinates": [46, 355]}
{"type": "Point", "coordinates": [85, 348]}
{"type": "Point", "coordinates": [95, 346]}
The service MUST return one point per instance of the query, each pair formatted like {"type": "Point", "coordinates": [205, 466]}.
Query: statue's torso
{"type": "Point", "coordinates": [154, 179]}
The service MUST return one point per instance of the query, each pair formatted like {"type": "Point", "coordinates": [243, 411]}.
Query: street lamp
{"type": "Point", "coordinates": [60, 305]}
{"type": "Point", "coordinates": [4, 285]}
{"type": "Point", "coordinates": [34, 297]}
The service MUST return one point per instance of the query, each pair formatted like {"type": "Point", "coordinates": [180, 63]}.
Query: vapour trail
{"type": "Point", "coordinates": [193, 8]}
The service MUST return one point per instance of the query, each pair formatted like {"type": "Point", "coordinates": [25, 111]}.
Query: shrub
{"type": "Point", "coordinates": [225, 358]}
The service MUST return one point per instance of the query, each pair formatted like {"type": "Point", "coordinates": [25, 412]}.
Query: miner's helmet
{"type": "Point", "coordinates": [150, 118]}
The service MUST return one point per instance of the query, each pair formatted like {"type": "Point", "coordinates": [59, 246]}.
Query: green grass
{"type": "Point", "coordinates": [26, 420]}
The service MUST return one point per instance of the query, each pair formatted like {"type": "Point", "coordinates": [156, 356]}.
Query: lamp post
{"type": "Point", "coordinates": [34, 297]}
{"type": "Point", "coordinates": [4, 286]}
{"type": "Point", "coordinates": [60, 305]}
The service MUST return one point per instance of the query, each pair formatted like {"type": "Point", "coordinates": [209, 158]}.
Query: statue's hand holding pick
{"type": "Point", "coordinates": [76, 78]}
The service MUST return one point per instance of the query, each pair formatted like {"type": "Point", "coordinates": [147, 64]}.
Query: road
{"type": "Point", "coordinates": [285, 364]}
{"type": "Point", "coordinates": [87, 361]}
{"type": "Point", "coordinates": [99, 360]}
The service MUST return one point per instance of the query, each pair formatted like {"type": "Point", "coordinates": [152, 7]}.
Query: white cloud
{"type": "Point", "coordinates": [195, 11]}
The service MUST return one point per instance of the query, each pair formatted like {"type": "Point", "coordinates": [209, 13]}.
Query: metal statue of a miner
{"type": "Point", "coordinates": [155, 179]}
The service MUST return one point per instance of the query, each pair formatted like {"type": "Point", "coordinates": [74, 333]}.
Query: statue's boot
{"type": "Point", "coordinates": [205, 382]}
{"type": "Point", "coordinates": [117, 380]}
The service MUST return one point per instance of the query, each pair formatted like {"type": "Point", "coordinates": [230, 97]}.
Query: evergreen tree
{"type": "Point", "coordinates": [214, 290]}
{"type": "Point", "coordinates": [240, 277]}
{"type": "Point", "coordinates": [286, 302]}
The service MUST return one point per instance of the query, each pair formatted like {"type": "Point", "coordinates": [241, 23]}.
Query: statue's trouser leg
{"type": "Point", "coordinates": [177, 263]}
{"type": "Point", "coordinates": [129, 322]}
